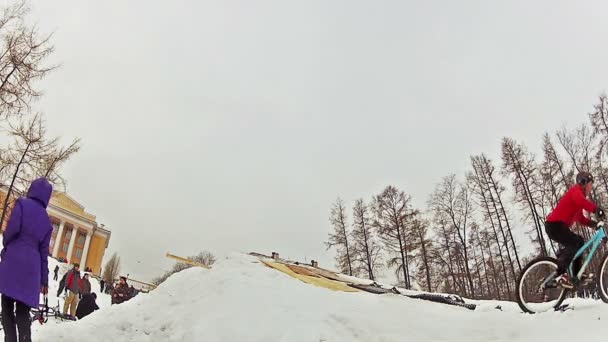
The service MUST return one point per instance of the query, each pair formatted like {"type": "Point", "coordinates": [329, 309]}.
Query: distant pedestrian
{"type": "Point", "coordinates": [55, 272]}
{"type": "Point", "coordinates": [101, 284]}
{"type": "Point", "coordinates": [73, 285]}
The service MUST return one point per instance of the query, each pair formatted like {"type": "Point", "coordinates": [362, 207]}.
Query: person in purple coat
{"type": "Point", "coordinates": [24, 269]}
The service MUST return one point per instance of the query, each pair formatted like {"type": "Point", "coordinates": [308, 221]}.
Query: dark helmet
{"type": "Point", "coordinates": [584, 177]}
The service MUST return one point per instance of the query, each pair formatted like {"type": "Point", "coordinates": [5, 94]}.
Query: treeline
{"type": "Point", "coordinates": [466, 240]}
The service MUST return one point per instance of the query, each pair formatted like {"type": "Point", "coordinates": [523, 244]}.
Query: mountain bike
{"type": "Point", "coordinates": [537, 288]}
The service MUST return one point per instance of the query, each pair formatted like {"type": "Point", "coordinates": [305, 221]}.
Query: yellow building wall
{"type": "Point", "coordinates": [98, 243]}
{"type": "Point", "coordinates": [97, 249]}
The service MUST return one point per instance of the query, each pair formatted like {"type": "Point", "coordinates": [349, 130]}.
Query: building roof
{"type": "Point", "coordinates": [62, 200]}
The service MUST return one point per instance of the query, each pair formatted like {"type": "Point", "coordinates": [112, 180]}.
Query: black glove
{"type": "Point", "coordinates": [599, 212]}
{"type": "Point", "coordinates": [592, 224]}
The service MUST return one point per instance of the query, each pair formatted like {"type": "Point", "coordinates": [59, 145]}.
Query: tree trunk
{"type": "Point", "coordinates": [500, 227]}
{"type": "Point", "coordinates": [478, 272]}
{"type": "Point", "coordinates": [367, 254]}
{"type": "Point", "coordinates": [405, 273]}
{"type": "Point", "coordinates": [485, 269]}
{"type": "Point", "coordinates": [10, 188]}
{"type": "Point", "coordinates": [494, 186]}
{"type": "Point", "coordinates": [350, 267]}
{"type": "Point", "coordinates": [450, 259]}
{"type": "Point", "coordinates": [425, 259]}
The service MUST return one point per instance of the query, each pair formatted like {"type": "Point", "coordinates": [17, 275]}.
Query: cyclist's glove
{"type": "Point", "coordinates": [599, 212]}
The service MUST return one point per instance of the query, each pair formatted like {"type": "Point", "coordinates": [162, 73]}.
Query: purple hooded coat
{"type": "Point", "coordinates": [24, 264]}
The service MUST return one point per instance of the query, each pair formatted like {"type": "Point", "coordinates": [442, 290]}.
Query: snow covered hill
{"type": "Point", "coordinates": [240, 299]}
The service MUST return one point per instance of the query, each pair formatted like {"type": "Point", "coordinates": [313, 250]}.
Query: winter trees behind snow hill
{"type": "Point", "coordinates": [473, 236]}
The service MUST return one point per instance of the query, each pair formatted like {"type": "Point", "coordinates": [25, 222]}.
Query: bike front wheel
{"type": "Point", "coordinates": [602, 279]}
{"type": "Point", "coordinates": [537, 291]}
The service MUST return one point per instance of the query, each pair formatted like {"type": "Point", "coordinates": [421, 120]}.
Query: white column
{"type": "Point", "coordinates": [71, 246]}
{"type": "Point", "coordinates": [85, 252]}
{"type": "Point", "coordinates": [58, 239]}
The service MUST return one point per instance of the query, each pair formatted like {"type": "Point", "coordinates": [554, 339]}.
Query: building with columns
{"type": "Point", "coordinates": [77, 236]}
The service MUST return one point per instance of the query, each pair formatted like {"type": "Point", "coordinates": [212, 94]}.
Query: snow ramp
{"type": "Point", "coordinates": [243, 300]}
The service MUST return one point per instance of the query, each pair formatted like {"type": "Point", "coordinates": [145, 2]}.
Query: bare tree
{"type": "Point", "coordinates": [443, 254]}
{"type": "Point", "coordinates": [423, 244]}
{"type": "Point", "coordinates": [578, 145]}
{"type": "Point", "coordinates": [392, 209]}
{"type": "Point", "coordinates": [488, 192]}
{"type": "Point", "coordinates": [339, 237]}
{"type": "Point", "coordinates": [23, 60]}
{"type": "Point", "coordinates": [479, 245]}
{"type": "Point", "coordinates": [29, 144]}
{"type": "Point", "coordinates": [112, 269]}
{"type": "Point", "coordinates": [451, 202]}
{"type": "Point", "coordinates": [32, 155]}
{"type": "Point", "coordinates": [366, 250]}
{"type": "Point", "coordinates": [599, 118]}
{"type": "Point", "coordinates": [49, 164]}
{"type": "Point", "coordinates": [599, 123]}
{"type": "Point", "coordinates": [520, 166]}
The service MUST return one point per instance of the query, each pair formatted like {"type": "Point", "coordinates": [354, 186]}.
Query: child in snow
{"type": "Point", "coordinates": [569, 210]}
{"type": "Point", "coordinates": [24, 268]}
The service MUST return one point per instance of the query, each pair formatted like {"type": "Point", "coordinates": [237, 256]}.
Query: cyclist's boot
{"type": "Point", "coordinates": [587, 278]}
{"type": "Point", "coordinates": [564, 281]}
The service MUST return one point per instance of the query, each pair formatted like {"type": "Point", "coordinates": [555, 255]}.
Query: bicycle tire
{"type": "Point", "coordinates": [520, 280]}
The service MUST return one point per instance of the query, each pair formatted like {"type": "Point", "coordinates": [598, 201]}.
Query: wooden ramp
{"type": "Point", "coordinates": [309, 277]}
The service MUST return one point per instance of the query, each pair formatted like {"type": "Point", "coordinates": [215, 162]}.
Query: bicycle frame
{"type": "Point", "coordinates": [593, 243]}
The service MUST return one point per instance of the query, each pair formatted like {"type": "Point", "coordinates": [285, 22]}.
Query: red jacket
{"type": "Point", "coordinates": [569, 209]}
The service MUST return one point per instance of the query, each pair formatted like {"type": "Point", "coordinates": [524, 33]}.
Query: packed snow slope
{"type": "Point", "coordinates": [240, 299]}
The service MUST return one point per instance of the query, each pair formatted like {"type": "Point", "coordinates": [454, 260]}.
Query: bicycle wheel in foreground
{"type": "Point", "coordinates": [537, 290]}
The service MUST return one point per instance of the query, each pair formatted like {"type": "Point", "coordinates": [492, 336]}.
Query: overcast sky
{"type": "Point", "coordinates": [233, 125]}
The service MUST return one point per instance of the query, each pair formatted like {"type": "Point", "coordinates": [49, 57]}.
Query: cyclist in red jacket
{"type": "Point", "coordinates": [569, 210]}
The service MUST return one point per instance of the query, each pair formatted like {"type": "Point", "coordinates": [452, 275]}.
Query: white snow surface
{"type": "Point", "coordinates": [242, 300]}
{"type": "Point", "coordinates": [38, 331]}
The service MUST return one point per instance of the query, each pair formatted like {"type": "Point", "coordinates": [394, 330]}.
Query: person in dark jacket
{"type": "Point", "coordinates": [101, 285]}
{"type": "Point", "coordinates": [569, 210]}
{"type": "Point", "coordinates": [73, 285]}
{"type": "Point", "coordinates": [55, 272]}
{"type": "Point", "coordinates": [85, 285]}
{"type": "Point", "coordinates": [86, 305]}
{"type": "Point", "coordinates": [24, 271]}
{"type": "Point", "coordinates": [121, 292]}
{"type": "Point", "coordinates": [62, 287]}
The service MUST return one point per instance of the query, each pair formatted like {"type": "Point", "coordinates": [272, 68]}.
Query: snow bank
{"type": "Point", "coordinates": [242, 300]}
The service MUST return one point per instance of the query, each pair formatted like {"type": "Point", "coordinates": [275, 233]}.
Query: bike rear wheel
{"type": "Point", "coordinates": [536, 289]}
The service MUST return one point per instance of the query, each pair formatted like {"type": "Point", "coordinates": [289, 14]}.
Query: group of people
{"type": "Point", "coordinates": [80, 301]}
{"type": "Point", "coordinates": [24, 273]}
